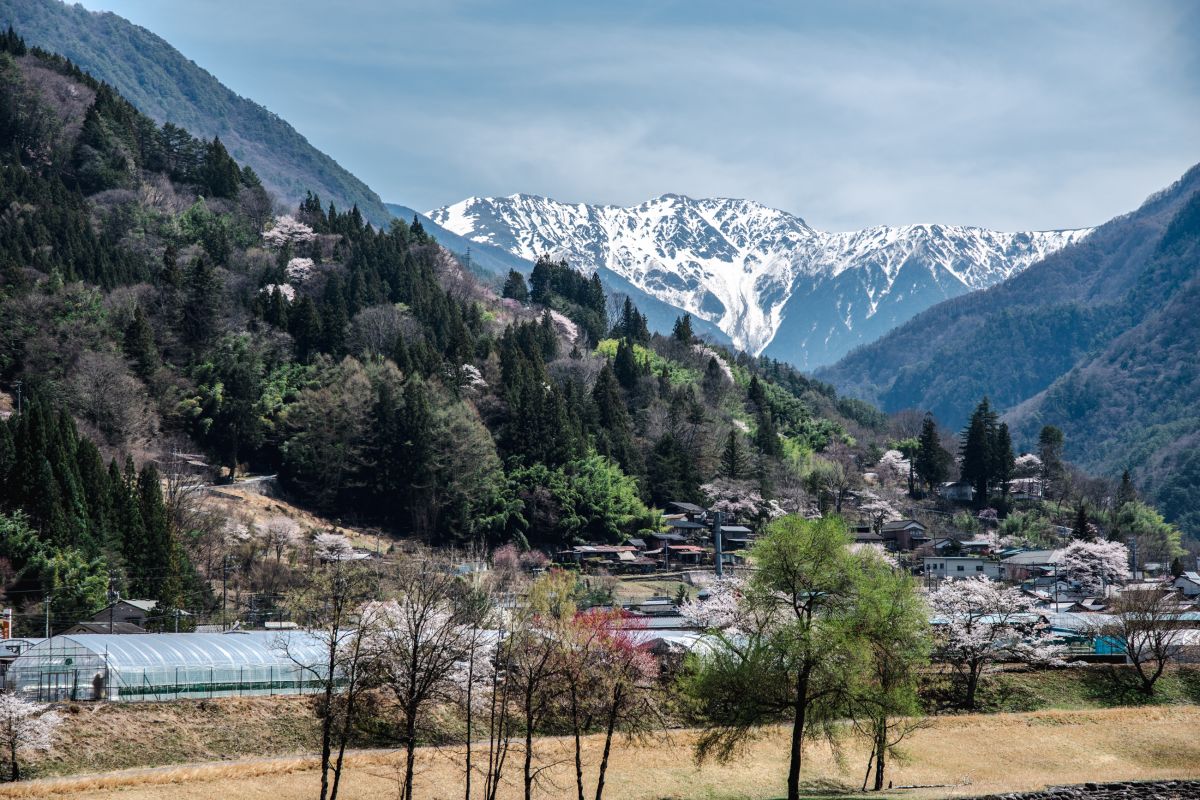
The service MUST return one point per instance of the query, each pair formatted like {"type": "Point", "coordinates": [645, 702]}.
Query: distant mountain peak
{"type": "Point", "coordinates": [763, 276]}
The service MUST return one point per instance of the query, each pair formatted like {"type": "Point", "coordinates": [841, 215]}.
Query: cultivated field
{"type": "Point", "coordinates": [962, 756]}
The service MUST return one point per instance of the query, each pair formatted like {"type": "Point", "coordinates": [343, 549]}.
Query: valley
{"type": "Point", "coordinates": [305, 494]}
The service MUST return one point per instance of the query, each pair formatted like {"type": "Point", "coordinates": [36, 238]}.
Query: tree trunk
{"type": "Point", "coordinates": [12, 757]}
{"type": "Point", "coordinates": [880, 750]}
{"type": "Point", "coordinates": [972, 686]}
{"type": "Point", "coordinates": [344, 733]}
{"type": "Point", "coordinates": [327, 725]}
{"type": "Point", "coordinates": [410, 753]}
{"type": "Point", "coordinates": [608, 735]}
{"type": "Point", "coordinates": [470, 714]}
{"type": "Point", "coordinates": [867, 774]}
{"type": "Point", "coordinates": [578, 744]}
{"type": "Point", "coordinates": [528, 743]}
{"type": "Point", "coordinates": [797, 751]}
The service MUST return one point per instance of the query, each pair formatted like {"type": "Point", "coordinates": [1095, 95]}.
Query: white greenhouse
{"type": "Point", "coordinates": [169, 666]}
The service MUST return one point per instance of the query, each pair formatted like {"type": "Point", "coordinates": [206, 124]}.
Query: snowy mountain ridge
{"type": "Point", "coordinates": [765, 277]}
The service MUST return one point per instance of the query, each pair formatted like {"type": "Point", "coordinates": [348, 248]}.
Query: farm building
{"type": "Point", "coordinates": [168, 666]}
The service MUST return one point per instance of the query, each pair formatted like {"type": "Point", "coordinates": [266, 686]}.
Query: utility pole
{"type": "Point", "coordinates": [113, 597]}
{"type": "Point", "coordinates": [224, 575]}
{"type": "Point", "coordinates": [718, 520]}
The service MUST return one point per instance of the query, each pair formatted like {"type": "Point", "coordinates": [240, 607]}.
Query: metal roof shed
{"type": "Point", "coordinates": [169, 666]}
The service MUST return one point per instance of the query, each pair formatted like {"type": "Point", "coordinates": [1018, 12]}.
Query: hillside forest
{"type": "Point", "coordinates": [164, 321]}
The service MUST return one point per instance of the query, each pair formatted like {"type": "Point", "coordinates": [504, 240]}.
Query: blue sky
{"type": "Point", "coordinates": [1011, 115]}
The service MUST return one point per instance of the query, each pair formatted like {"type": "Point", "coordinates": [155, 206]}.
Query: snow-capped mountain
{"type": "Point", "coordinates": [763, 276]}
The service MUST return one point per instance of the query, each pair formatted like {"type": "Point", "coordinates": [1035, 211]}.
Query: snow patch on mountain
{"type": "Point", "coordinates": [738, 263]}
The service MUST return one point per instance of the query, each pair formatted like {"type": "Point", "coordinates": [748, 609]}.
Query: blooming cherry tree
{"type": "Point", "coordinates": [279, 535]}
{"type": "Point", "coordinates": [878, 511]}
{"type": "Point", "coordinates": [893, 467]}
{"type": "Point", "coordinates": [286, 231]}
{"type": "Point", "coordinates": [330, 546]}
{"type": "Point", "coordinates": [737, 500]}
{"type": "Point", "coordinates": [1094, 565]}
{"type": "Point", "coordinates": [1027, 465]}
{"type": "Point", "coordinates": [25, 728]}
{"type": "Point", "coordinates": [707, 352]}
{"type": "Point", "coordinates": [983, 623]}
{"type": "Point", "coordinates": [721, 609]}
{"type": "Point", "coordinates": [299, 269]}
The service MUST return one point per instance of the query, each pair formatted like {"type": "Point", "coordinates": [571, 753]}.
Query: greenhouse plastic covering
{"type": "Point", "coordinates": [167, 666]}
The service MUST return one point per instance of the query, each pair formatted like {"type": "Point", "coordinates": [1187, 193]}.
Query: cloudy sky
{"type": "Point", "coordinates": [1011, 115]}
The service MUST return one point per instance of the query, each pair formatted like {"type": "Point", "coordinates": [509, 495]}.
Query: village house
{"type": "Point", "coordinates": [1188, 584]}
{"type": "Point", "coordinates": [1030, 564]}
{"type": "Point", "coordinates": [127, 612]}
{"type": "Point", "coordinates": [941, 568]}
{"type": "Point", "coordinates": [956, 492]}
{"type": "Point", "coordinates": [903, 535]}
{"type": "Point", "coordinates": [1025, 489]}
{"type": "Point", "coordinates": [103, 627]}
{"type": "Point", "coordinates": [952, 547]}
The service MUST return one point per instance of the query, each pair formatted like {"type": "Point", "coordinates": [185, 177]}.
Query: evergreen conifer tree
{"type": "Point", "coordinates": [139, 345]}
{"type": "Point", "coordinates": [733, 457]}
{"type": "Point", "coordinates": [932, 462]}
{"type": "Point", "coordinates": [682, 332]}
{"type": "Point", "coordinates": [1050, 451]}
{"type": "Point", "coordinates": [1002, 458]}
{"type": "Point", "coordinates": [625, 366]}
{"type": "Point", "coordinates": [1126, 492]}
{"type": "Point", "coordinates": [978, 451]}
{"type": "Point", "coordinates": [515, 287]}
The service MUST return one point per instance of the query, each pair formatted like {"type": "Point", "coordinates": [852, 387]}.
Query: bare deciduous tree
{"type": "Point", "coordinates": [334, 604]}
{"type": "Point", "coordinates": [422, 637]}
{"type": "Point", "coordinates": [1145, 623]}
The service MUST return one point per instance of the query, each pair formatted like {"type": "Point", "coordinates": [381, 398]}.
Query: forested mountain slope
{"type": "Point", "coordinates": [1098, 339]}
{"type": "Point", "coordinates": [165, 85]}
{"type": "Point", "coordinates": [152, 301]}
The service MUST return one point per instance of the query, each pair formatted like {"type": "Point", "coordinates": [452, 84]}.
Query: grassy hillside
{"type": "Point", "coordinates": [169, 87]}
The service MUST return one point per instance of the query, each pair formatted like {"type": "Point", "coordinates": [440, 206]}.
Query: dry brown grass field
{"type": "Point", "coordinates": [963, 756]}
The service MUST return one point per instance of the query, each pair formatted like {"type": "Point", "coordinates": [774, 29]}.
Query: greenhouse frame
{"type": "Point", "coordinates": [170, 666]}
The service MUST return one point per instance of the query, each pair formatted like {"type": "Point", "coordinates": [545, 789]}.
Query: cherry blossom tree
{"type": "Point", "coordinates": [1027, 465]}
{"type": "Point", "coordinates": [983, 623]}
{"type": "Point", "coordinates": [706, 353]}
{"type": "Point", "coordinates": [739, 500]}
{"type": "Point", "coordinates": [288, 231]}
{"type": "Point", "coordinates": [721, 608]}
{"type": "Point", "coordinates": [877, 511]}
{"type": "Point", "coordinates": [1094, 565]}
{"type": "Point", "coordinates": [299, 269]}
{"type": "Point", "coordinates": [25, 728]}
{"type": "Point", "coordinates": [330, 546]}
{"type": "Point", "coordinates": [279, 535]}
{"type": "Point", "coordinates": [893, 467]}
